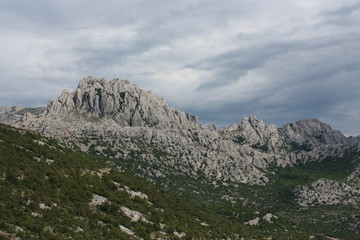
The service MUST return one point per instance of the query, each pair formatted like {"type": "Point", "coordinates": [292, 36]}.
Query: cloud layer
{"type": "Point", "coordinates": [222, 60]}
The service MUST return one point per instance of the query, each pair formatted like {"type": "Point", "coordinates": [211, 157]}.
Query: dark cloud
{"type": "Point", "coordinates": [345, 15]}
{"type": "Point", "coordinates": [279, 60]}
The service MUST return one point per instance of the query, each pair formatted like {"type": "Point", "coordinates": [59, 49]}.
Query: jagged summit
{"type": "Point", "coordinates": [140, 133]}
{"type": "Point", "coordinates": [118, 117]}
{"type": "Point", "coordinates": [256, 133]}
{"type": "Point", "coordinates": [121, 101]}
{"type": "Point", "coordinates": [312, 133]}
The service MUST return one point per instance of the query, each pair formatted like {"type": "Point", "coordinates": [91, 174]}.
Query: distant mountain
{"type": "Point", "coordinates": [49, 191]}
{"type": "Point", "coordinates": [139, 132]}
{"type": "Point", "coordinates": [131, 121]}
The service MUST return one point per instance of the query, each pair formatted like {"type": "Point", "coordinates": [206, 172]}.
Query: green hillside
{"type": "Point", "coordinates": [49, 191]}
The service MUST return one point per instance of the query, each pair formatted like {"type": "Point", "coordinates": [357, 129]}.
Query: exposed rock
{"type": "Point", "coordinates": [126, 230]}
{"type": "Point", "coordinates": [134, 120]}
{"type": "Point", "coordinates": [254, 132]}
{"type": "Point", "coordinates": [36, 214]}
{"type": "Point", "coordinates": [120, 120]}
{"type": "Point", "coordinates": [326, 192]}
{"type": "Point", "coordinates": [9, 115]}
{"type": "Point", "coordinates": [268, 217]}
{"type": "Point", "coordinates": [125, 103]}
{"type": "Point", "coordinates": [135, 216]}
{"type": "Point", "coordinates": [312, 133]}
{"type": "Point", "coordinates": [44, 206]}
{"type": "Point", "coordinates": [354, 179]}
{"type": "Point", "coordinates": [253, 222]}
{"type": "Point", "coordinates": [179, 234]}
{"type": "Point", "coordinates": [97, 200]}
{"type": "Point", "coordinates": [134, 194]}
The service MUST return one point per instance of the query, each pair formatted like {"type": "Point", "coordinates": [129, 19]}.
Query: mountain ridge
{"type": "Point", "coordinates": [301, 165]}
{"type": "Point", "coordinates": [122, 101]}
{"type": "Point", "coordinates": [131, 117]}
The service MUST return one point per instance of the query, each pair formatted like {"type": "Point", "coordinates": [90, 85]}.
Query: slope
{"type": "Point", "coordinates": [53, 192]}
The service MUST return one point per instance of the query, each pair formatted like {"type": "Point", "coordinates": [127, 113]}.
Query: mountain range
{"type": "Point", "coordinates": [244, 163]}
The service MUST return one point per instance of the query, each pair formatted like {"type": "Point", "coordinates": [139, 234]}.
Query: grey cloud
{"type": "Point", "coordinates": [346, 9]}
{"type": "Point", "coordinates": [304, 76]}
{"type": "Point", "coordinates": [165, 25]}
{"type": "Point", "coordinates": [297, 62]}
{"type": "Point", "coordinates": [234, 64]}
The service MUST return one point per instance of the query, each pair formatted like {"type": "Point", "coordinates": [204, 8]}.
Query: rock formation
{"type": "Point", "coordinates": [121, 101]}
{"type": "Point", "coordinates": [312, 133]}
{"type": "Point", "coordinates": [120, 120]}
{"type": "Point", "coordinates": [327, 192]}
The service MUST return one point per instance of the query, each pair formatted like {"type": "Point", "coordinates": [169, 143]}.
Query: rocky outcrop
{"type": "Point", "coordinates": [118, 117]}
{"type": "Point", "coordinates": [311, 133]}
{"type": "Point", "coordinates": [125, 103]}
{"type": "Point", "coordinates": [327, 192]}
{"type": "Point", "coordinates": [254, 132]}
{"type": "Point", "coordinates": [120, 120]}
{"type": "Point", "coordinates": [13, 114]}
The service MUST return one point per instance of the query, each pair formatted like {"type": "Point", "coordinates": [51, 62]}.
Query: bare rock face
{"type": "Point", "coordinates": [9, 115]}
{"type": "Point", "coordinates": [327, 192]}
{"type": "Point", "coordinates": [125, 103]}
{"type": "Point", "coordinates": [120, 120]}
{"type": "Point", "coordinates": [132, 123]}
{"type": "Point", "coordinates": [312, 133]}
{"type": "Point", "coordinates": [254, 132]}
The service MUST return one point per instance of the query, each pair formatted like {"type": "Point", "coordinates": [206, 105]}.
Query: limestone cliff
{"type": "Point", "coordinates": [312, 133]}
{"type": "Point", "coordinates": [125, 103]}
{"type": "Point", "coordinates": [120, 120]}
{"type": "Point", "coordinates": [254, 132]}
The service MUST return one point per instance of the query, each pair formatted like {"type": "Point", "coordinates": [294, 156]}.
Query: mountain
{"type": "Point", "coordinates": [130, 121]}
{"type": "Point", "coordinates": [300, 165]}
{"type": "Point", "coordinates": [50, 191]}
{"type": "Point", "coordinates": [121, 101]}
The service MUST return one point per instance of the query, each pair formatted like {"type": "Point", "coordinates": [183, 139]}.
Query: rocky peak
{"type": "Point", "coordinates": [120, 116]}
{"type": "Point", "coordinates": [9, 115]}
{"type": "Point", "coordinates": [231, 128]}
{"type": "Point", "coordinates": [312, 133]}
{"type": "Point", "coordinates": [254, 132]}
{"type": "Point", "coordinates": [121, 101]}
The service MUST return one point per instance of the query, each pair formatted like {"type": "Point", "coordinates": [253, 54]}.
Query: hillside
{"type": "Point", "coordinates": [249, 179]}
{"type": "Point", "coordinates": [53, 192]}
{"type": "Point", "coordinates": [118, 119]}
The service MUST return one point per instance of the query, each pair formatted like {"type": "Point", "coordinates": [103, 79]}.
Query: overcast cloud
{"type": "Point", "coordinates": [279, 60]}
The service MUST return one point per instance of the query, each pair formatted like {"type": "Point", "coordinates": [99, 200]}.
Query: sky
{"type": "Point", "coordinates": [222, 60]}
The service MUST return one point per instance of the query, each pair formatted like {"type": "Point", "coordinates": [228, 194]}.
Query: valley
{"type": "Point", "coordinates": [108, 144]}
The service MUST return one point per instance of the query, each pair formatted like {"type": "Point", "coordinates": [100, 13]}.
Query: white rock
{"type": "Point", "coordinates": [135, 216]}
{"type": "Point", "coordinates": [129, 120]}
{"type": "Point", "coordinates": [268, 217]}
{"type": "Point", "coordinates": [126, 230]}
{"type": "Point", "coordinates": [97, 200]}
{"type": "Point", "coordinates": [253, 222]}
{"type": "Point", "coordinates": [326, 192]}
{"type": "Point", "coordinates": [179, 234]}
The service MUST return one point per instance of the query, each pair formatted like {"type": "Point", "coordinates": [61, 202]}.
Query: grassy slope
{"type": "Point", "coordinates": [37, 172]}
{"type": "Point", "coordinates": [29, 179]}
{"type": "Point", "coordinates": [66, 185]}
{"type": "Point", "coordinates": [276, 198]}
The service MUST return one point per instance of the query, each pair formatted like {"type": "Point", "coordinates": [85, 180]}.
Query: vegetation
{"type": "Point", "coordinates": [260, 147]}
{"type": "Point", "coordinates": [47, 191]}
{"type": "Point", "coordinates": [244, 200]}
{"type": "Point", "coordinates": [239, 139]}
{"type": "Point", "coordinates": [300, 147]}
